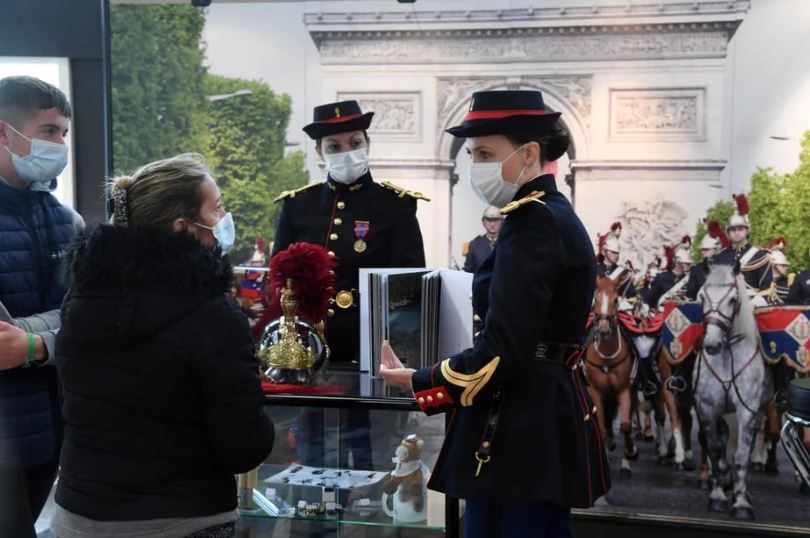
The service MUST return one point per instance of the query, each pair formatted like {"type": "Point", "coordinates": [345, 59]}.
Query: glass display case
{"type": "Point", "coordinates": [352, 457]}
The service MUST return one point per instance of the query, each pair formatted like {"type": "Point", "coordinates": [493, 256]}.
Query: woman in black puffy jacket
{"type": "Point", "coordinates": [162, 397]}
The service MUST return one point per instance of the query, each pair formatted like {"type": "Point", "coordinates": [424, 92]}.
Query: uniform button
{"type": "Point", "coordinates": [430, 399]}
{"type": "Point", "coordinates": [421, 401]}
{"type": "Point", "coordinates": [332, 254]}
{"type": "Point", "coordinates": [440, 396]}
{"type": "Point", "coordinates": [341, 205]}
{"type": "Point", "coordinates": [338, 222]}
{"type": "Point", "coordinates": [333, 237]}
{"type": "Point", "coordinates": [485, 444]}
{"type": "Point", "coordinates": [330, 313]}
{"type": "Point", "coordinates": [587, 417]}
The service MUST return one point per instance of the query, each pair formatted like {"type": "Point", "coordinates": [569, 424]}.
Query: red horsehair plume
{"type": "Point", "coordinates": [669, 255]}
{"type": "Point", "coordinates": [259, 244]}
{"type": "Point", "coordinates": [600, 246]}
{"type": "Point", "coordinates": [312, 271]}
{"type": "Point", "coordinates": [616, 229]}
{"type": "Point", "coordinates": [686, 241]}
{"type": "Point", "coordinates": [777, 243]}
{"type": "Point", "coordinates": [742, 204]}
{"type": "Point", "coordinates": [714, 229]}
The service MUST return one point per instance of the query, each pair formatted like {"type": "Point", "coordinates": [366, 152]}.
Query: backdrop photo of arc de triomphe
{"type": "Point", "coordinates": [641, 88]}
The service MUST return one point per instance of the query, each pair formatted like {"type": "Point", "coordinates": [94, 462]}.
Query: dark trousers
{"type": "Point", "coordinates": [23, 494]}
{"type": "Point", "coordinates": [517, 520]}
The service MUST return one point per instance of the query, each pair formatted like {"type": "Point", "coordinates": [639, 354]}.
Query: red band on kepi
{"type": "Point", "coordinates": [340, 119]}
{"type": "Point", "coordinates": [498, 114]}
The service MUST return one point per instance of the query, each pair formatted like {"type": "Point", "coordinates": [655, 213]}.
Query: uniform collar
{"type": "Point", "coordinates": [742, 248]}
{"type": "Point", "coordinates": [362, 181]}
{"type": "Point", "coordinates": [544, 182]}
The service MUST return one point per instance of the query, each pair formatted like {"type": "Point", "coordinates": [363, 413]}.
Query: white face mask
{"type": "Point", "coordinates": [42, 165]}
{"type": "Point", "coordinates": [224, 232]}
{"type": "Point", "coordinates": [348, 166]}
{"type": "Point", "coordinates": [486, 180]}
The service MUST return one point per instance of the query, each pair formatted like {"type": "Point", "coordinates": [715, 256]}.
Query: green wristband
{"type": "Point", "coordinates": [32, 347]}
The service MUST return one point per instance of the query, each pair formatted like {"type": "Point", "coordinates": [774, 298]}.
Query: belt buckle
{"type": "Point", "coordinates": [540, 351]}
{"type": "Point", "coordinates": [344, 299]}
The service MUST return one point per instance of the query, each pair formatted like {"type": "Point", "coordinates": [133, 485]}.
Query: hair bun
{"type": "Point", "coordinates": [118, 198]}
{"type": "Point", "coordinates": [122, 182]}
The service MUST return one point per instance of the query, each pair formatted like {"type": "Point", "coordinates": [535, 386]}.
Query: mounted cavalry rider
{"type": "Point", "coordinates": [800, 288]}
{"type": "Point", "coordinates": [754, 262]}
{"type": "Point", "coordinates": [710, 245]}
{"type": "Point", "coordinates": [671, 284]}
{"type": "Point", "coordinates": [777, 292]}
{"type": "Point", "coordinates": [608, 263]}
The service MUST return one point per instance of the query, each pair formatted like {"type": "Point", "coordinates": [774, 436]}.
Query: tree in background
{"type": "Point", "coordinates": [779, 205]}
{"type": "Point", "coordinates": [158, 95]}
{"type": "Point", "coordinates": [160, 90]}
{"type": "Point", "coordinates": [248, 136]}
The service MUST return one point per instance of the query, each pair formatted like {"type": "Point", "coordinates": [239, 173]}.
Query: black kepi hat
{"type": "Point", "coordinates": [512, 111]}
{"type": "Point", "coordinates": [340, 117]}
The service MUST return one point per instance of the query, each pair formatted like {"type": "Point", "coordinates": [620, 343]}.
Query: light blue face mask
{"type": "Point", "coordinates": [40, 167]}
{"type": "Point", "coordinates": [224, 232]}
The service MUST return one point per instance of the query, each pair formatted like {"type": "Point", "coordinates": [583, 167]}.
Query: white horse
{"type": "Point", "coordinates": [729, 376]}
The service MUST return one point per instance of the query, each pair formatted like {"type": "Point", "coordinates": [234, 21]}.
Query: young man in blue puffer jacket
{"type": "Point", "coordinates": [35, 230]}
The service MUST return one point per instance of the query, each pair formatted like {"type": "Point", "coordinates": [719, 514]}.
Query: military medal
{"type": "Point", "coordinates": [361, 228]}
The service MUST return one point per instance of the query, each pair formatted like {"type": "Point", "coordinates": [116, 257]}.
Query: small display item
{"type": "Point", "coordinates": [407, 483]}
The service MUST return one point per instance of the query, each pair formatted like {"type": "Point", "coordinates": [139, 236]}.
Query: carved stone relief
{"type": "Point", "coordinates": [397, 115]}
{"type": "Point", "coordinates": [649, 224]}
{"type": "Point", "coordinates": [658, 113]}
{"type": "Point", "coordinates": [521, 45]}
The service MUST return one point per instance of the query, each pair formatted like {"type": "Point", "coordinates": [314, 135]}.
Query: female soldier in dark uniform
{"type": "Point", "coordinates": [360, 222]}
{"type": "Point", "coordinates": [523, 446]}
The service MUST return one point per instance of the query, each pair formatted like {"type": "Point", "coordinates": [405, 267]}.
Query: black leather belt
{"type": "Point", "coordinates": [554, 351]}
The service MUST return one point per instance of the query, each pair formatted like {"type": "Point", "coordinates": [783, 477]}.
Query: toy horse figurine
{"type": "Point", "coordinates": [408, 483]}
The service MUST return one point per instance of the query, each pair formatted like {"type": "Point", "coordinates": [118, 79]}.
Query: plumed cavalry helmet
{"type": "Point", "coordinates": [740, 216]}
{"type": "Point", "coordinates": [777, 248]}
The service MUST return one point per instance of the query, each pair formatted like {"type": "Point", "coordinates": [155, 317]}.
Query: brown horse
{"type": "Point", "coordinates": [608, 366]}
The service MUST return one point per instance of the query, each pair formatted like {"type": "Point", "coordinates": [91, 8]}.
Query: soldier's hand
{"type": "Point", "coordinates": [392, 369]}
{"type": "Point", "coordinates": [13, 346]}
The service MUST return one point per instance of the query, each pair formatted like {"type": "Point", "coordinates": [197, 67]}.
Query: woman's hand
{"type": "Point", "coordinates": [392, 370]}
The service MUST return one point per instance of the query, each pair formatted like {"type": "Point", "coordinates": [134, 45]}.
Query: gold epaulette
{"type": "Point", "coordinates": [465, 248]}
{"type": "Point", "coordinates": [292, 193]}
{"type": "Point", "coordinates": [533, 197]}
{"type": "Point", "coordinates": [791, 279]}
{"type": "Point", "coordinates": [402, 193]}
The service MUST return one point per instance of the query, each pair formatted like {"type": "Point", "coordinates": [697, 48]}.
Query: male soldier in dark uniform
{"type": "Point", "coordinates": [607, 258]}
{"type": "Point", "coordinates": [782, 280]}
{"type": "Point", "coordinates": [523, 445]}
{"type": "Point", "coordinates": [360, 222]}
{"type": "Point", "coordinates": [800, 289]}
{"type": "Point", "coordinates": [479, 248]}
{"type": "Point", "coordinates": [754, 262]}
{"type": "Point", "coordinates": [711, 243]}
{"type": "Point", "coordinates": [670, 284]}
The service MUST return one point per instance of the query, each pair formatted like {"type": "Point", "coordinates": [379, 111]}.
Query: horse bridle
{"type": "Point", "coordinates": [715, 317]}
{"type": "Point", "coordinates": [612, 320]}
{"type": "Point", "coordinates": [726, 324]}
